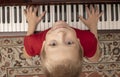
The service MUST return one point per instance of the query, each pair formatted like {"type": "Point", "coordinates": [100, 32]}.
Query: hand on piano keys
{"type": "Point", "coordinates": [12, 18]}
{"type": "Point", "coordinates": [32, 18]}
{"type": "Point", "coordinates": [93, 16]}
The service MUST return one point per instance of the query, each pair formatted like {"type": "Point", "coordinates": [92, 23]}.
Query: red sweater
{"type": "Point", "coordinates": [33, 43]}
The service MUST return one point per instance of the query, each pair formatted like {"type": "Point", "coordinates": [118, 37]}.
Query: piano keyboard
{"type": "Point", "coordinates": [12, 18]}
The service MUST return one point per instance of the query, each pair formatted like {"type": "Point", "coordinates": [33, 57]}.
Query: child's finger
{"type": "Point", "coordinates": [42, 15]}
{"type": "Point", "coordinates": [88, 11]}
{"type": "Point", "coordinates": [82, 19]}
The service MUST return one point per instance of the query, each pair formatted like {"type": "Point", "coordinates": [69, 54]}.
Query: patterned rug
{"type": "Point", "coordinates": [13, 64]}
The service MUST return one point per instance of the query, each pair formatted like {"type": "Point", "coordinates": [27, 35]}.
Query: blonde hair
{"type": "Point", "coordinates": [66, 68]}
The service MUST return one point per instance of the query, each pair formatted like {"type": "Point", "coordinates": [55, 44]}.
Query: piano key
{"type": "Point", "coordinates": [9, 18]}
{"type": "Point", "coordinates": [60, 12]}
{"type": "Point", "coordinates": [99, 21]}
{"type": "Point", "coordinates": [74, 17]}
{"type": "Point", "coordinates": [118, 22]}
{"type": "Point", "coordinates": [105, 12]}
{"type": "Point", "coordinates": [109, 24]}
{"type": "Point", "coordinates": [46, 18]}
{"type": "Point", "coordinates": [77, 13]}
{"type": "Point", "coordinates": [5, 21]}
{"type": "Point", "coordinates": [55, 9]}
{"type": "Point", "coordinates": [8, 15]}
{"type": "Point", "coordinates": [53, 13]}
{"type": "Point", "coordinates": [14, 18]}
{"type": "Point", "coordinates": [116, 9]}
{"type": "Point", "coordinates": [51, 16]}
{"type": "Point", "coordinates": [18, 17]}
{"type": "Point", "coordinates": [69, 15]}
{"type": "Point", "coordinates": [100, 10]}
{"type": "Point", "coordinates": [42, 8]}
{"type": "Point", "coordinates": [3, 14]}
{"type": "Point", "coordinates": [81, 25]}
{"type": "Point", "coordinates": [112, 12]}
{"type": "Point", "coordinates": [48, 13]}
{"type": "Point", "coordinates": [84, 11]}
{"type": "Point", "coordinates": [23, 24]}
{"type": "Point", "coordinates": [103, 18]}
{"type": "Point", "coordinates": [1, 19]}
{"type": "Point", "coordinates": [20, 14]}
{"type": "Point", "coordinates": [15, 13]}
{"type": "Point", "coordinates": [65, 13]}
{"type": "Point", "coordinates": [72, 13]}
{"type": "Point", "coordinates": [114, 23]}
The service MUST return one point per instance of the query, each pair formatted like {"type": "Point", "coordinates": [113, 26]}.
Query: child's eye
{"type": "Point", "coordinates": [69, 42]}
{"type": "Point", "coordinates": [53, 43]}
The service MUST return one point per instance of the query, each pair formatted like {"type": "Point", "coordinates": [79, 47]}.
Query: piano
{"type": "Point", "coordinates": [13, 21]}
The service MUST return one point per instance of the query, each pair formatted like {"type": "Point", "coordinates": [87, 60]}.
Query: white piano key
{"type": "Point", "coordinates": [68, 12]}
{"type": "Point", "coordinates": [83, 26]}
{"type": "Point", "coordinates": [9, 24]}
{"type": "Point", "coordinates": [69, 17]}
{"type": "Point", "coordinates": [18, 23]}
{"type": "Point", "coordinates": [51, 16]}
{"type": "Point", "coordinates": [114, 22]}
{"type": "Point", "coordinates": [103, 17]}
{"type": "Point", "coordinates": [5, 24]}
{"type": "Point", "coordinates": [58, 13]}
{"type": "Point", "coordinates": [1, 22]}
{"type": "Point", "coordinates": [63, 13]}
{"type": "Point", "coordinates": [108, 23]}
{"type": "Point", "coordinates": [42, 23]}
{"type": "Point", "coordinates": [74, 22]}
{"type": "Point", "coordinates": [99, 22]}
{"type": "Point", "coordinates": [13, 23]}
{"type": "Point", "coordinates": [38, 28]}
{"type": "Point", "coordinates": [23, 19]}
{"type": "Point", "coordinates": [46, 17]}
{"type": "Point", "coordinates": [79, 12]}
{"type": "Point", "coordinates": [118, 22]}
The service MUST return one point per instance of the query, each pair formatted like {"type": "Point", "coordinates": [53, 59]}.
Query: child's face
{"type": "Point", "coordinates": [61, 43]}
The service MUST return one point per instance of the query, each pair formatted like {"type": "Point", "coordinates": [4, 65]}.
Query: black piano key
{"type": "Point", "coordinates": [20, 14]}
{"type": "Point", "coordinates": [65, 13]}
{"type": "Point", "coordinates": [15, 15]}
{"type": "Point", "coordinates": [84, 11]}
{"type": "Point", "coordinates": [3, 14]}
{"type": "Point", "coordinates": [48, 7]}
{"type": "Point", "coordinates": [116, 9]}
{"type": "Point", "coordinates": [60, 10]}
{"type": "Point", "coordinates": [112, 12]}
{"type": "Point", "coordinates": [43, 9]}
{"type": "Point", "coordinates": [100, 10]}
{"type": "Point", "coordinates": [72, 12]}
{"type": "Point", "coordinates": [105, 12]}
{"type": "Point", "coordinates": [77, 13]}
{"type": "Point", "coordinates": [55, 13]}
{"type": "Point", "coordinates": [8, 15]}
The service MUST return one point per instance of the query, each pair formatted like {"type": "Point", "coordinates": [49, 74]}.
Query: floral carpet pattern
{"type": "Point", "coordinates": [13, 64]}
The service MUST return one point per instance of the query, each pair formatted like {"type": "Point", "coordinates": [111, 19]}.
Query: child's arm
{"type": "Point", "coordinates": [32, 19]}
{"type": "Point", "coordinates": [91, 23]}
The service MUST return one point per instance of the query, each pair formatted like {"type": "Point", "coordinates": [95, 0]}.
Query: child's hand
{"type": "Point", "coordinates": [32, 18]}
{"type": "Point", "coordinates": [93, 16]}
